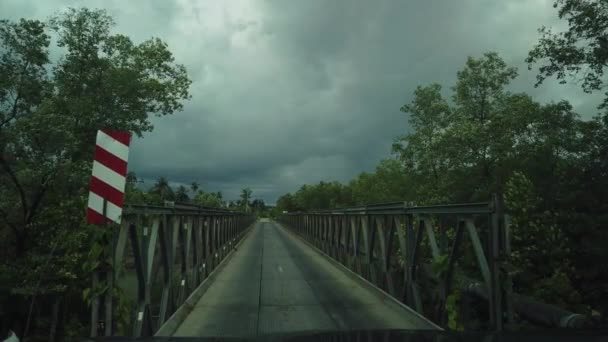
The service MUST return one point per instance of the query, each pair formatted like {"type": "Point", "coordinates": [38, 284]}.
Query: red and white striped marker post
{"type": "Point", "coordinates": [109, 176]}
{"type": "Point", "coordinates": [106, 196]}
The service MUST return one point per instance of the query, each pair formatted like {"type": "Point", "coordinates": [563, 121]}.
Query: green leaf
{"type": "Point", "coordinates": [86, 293]}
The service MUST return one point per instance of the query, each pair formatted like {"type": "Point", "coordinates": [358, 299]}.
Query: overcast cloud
{"type": "Point", "coordinates": [292, 92]}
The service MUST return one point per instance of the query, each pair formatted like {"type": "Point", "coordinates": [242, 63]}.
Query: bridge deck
{"type": "Point", "coordinates": [276, 283]}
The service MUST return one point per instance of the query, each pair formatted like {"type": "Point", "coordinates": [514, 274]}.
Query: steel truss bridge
{"type": "Point", "coordinates": [196, 271]}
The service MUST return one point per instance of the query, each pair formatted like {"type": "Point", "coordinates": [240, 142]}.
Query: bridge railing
{"type": "Point", "coordinates": [159, 256]}
{"type": "Point", "coordinates": [412, 252]}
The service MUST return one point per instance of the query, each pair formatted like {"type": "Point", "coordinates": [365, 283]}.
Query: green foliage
{"type": "Point", "coordinates": [123, 310]}
{"type": "Point", "coordinates": [258, 206]}
{"type": "Point", "coordinates": [467, 140]}
{"type": "Point", "coordinates": [388, 183]}
{"type": "Point", "coordinates": [322, 196]}
{"type": "Point", "coordinates": [452, 304]}
{"type": "Point", "coordinates": [181, 194]}
{"type": "Point", "coordinates": [74, 329]}
{"type": "Point", "coordinates": [550, 165]}
{"type": "Point", "coordinates": [163, 190]}
{"type": "Point", "coordinates": [480, 86]}
{"type": "Point", "coordinates": [581, 50]}
{"type": "Point", "coordinates": [101, 80]}
{"type": "Point", "coordinates": [575, 208]}
{"type": "Point", "coordinates": [245, 199]}
{"type": "Point", "coordinates": [209, 199]}
{"type": "Point", "coordinates": [116, 82]}
{"type": "Point", "coordinates": [134, 195]}
{"type": "Point", "coordinates": [494, 141]}
{"type": "Point", "coordinates": [99, 257]}
{"type": "Point", "coordinates": [421, 150]}
{"type": "Point", "coordinates": [439, 266]}
{"type": "Point", "coordinates": [194, 186]}
{"type": "Point", "coordinates": [286, 203]}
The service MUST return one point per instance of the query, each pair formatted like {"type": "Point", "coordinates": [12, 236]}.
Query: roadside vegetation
{"type": "Point", "coordinates": [478, 136]}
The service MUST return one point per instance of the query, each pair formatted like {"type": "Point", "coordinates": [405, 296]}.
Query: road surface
{"type": "Point", "coordinates": [276, 283]}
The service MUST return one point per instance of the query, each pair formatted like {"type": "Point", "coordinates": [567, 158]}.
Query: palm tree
{"type": "Point", "coordinates": [194, 187]}
{"type": "Point", "coordinates": [181, 195]}
{"type": "Point", "coordinates": [131, 178]}
{"type": "Point", "coordinates": [258, 205]}
{"type": "Point", "coordinates": [162, 188]}
{"type": "Point", "coordinates": [245, 196]}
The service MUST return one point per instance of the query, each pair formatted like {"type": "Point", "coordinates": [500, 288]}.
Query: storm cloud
{"type": "Point", "coordinates": [292, 92]}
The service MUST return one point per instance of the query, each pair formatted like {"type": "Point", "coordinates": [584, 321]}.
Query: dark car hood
{"type": "Point", "coordinates": [554, 335]}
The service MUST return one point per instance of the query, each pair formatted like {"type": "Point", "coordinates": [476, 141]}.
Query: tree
{"type": "Point", "coordinates": [163, 189]}
{"type": "Point", "coordinates": [181, 194]}
{"type": "Point", "coordinates": [478, 95]}
{"type": "Point", "coordinates": [582, 52]}
{"type": "Point", "coordinates": [388, 183]}
{"type": "Point", "coordinates": [549, 164]}
{"type": "Point", "coordinates": [24, 85]}
{"type": "Point", "coordinates": [480, 84]}
{"type": "Point", "coordinates": [133, 195]}
{"type": "Point", "coordinates": [258, 205]}
{"type": "Point", "coordinates": [286, 203]}
{"type": "Point", "coordinates": [144, 78]}
{"type": "Point", "coordinates": [208, 200]}
{"type": "Point", "coordinates": [582, 49]}
{"type": "Point", "coordinates": [494, 141]}
{"type": "Point", "coordinates": [465, 140]}
{"type": "Point", "coordinates": [132, 178]}
{"type": "Point", "coordinates": [194, 186]}
{"type": "Point", "coordinates": [245, 198]}
{"type": "Point", "coordinates": [102, 80]}
{"type": "Point", "coordinates": [421, 150]}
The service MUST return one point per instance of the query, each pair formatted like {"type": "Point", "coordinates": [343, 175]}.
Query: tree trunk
{"type": "Point", "coordinates": [54, 319]}
{"type": "Point", "coordinates": [19, 245]}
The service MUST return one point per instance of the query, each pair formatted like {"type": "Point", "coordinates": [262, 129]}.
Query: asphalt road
{"type": "Point", "coordinates": [276, 283]}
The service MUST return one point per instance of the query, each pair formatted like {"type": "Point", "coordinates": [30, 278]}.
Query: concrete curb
{"type": "Point", "coordinates": [171, 325]}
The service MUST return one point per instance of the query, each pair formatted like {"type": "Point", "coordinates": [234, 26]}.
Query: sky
{"type": "Point", "coordinates": [287, 93]}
